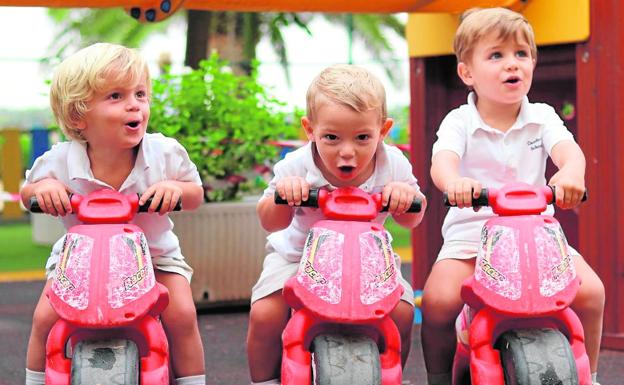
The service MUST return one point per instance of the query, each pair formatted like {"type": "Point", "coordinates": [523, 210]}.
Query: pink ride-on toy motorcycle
{"type": "Point", "coordinates": [107, 298]}
{"type": "Point", "coordinates": [517, 327]}
{"type": "Point", "coordinates": [340, 332]}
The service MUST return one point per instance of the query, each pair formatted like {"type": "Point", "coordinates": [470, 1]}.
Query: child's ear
{"type": "Point", "coordinates": [307, 127]}
{"type": "Point", "coordinates": [386, 126]}
{"type": "Point", "coordinates": [463, 71]}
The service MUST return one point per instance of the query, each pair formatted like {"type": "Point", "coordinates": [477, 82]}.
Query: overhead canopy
{"type": "Point", "coordinates": [359, 6]}
{"type": "Point", "coordinates": [553, 21]}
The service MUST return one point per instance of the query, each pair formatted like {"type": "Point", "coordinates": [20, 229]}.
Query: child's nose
{"type": "Point", "coordinates": [133, 105]}
{"type": "Point", "coordinates": [511, 63]}
{"type": "Point", "coordinates": [347, 151]}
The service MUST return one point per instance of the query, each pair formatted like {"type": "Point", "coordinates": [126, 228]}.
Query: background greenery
{"type": "Point", "coordinates": [19, 253]}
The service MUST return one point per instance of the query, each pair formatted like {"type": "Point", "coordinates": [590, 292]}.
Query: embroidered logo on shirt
{"type": "Point", "coordinates": [534, 144]}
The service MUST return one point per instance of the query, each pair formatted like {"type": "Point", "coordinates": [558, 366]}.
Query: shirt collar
{"type": "Point", "coordinates": [524, 118]}
{"type": "Point", "coordinates": [380, 176]}
{"type": "Point", "coordinates": [79, 165]}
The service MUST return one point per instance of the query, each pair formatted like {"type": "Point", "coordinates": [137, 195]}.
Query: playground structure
{"type": "Point", "coordinates": [12, 167]}
{"type": "Point", "coordinates": [580, 54]}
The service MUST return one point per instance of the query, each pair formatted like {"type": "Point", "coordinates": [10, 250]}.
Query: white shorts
{"type": "Point", "coordinates": [468, 250]}
{"type": "Point", "coordinates": [168, 264]}
{"type": "Point", "coordinates": [276, 270]}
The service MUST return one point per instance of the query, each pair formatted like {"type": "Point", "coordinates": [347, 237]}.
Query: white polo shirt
{"type": "Point", "coordinates": [496, 158]}
{"type": "Point", "coordinates": [159, 158]}
{"type": "Point", "coordinates": [390, 166]}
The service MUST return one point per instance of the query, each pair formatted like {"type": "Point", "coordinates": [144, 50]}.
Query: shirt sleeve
{"type": "Point", "coordinates": [179, 165]}
{"type": "Point", "coordinates": [401, 167]}
{"type": "Point", "coordinates": [289, 166]}
{"type": "Point", "coordinates": [554, 129]}
{"type": "Point", "coordinates": [46, 165]}
{"type": "Point", "coordinates": [451, 135]}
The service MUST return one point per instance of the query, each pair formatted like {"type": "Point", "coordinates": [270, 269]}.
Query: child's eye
{"type": "Point", "coordinates": [363, 137]}
{"type": "Point", "coordinates": [522, 53]}
{"type": "Point", "coordinates": [331, 137]}
{"type": "Point", "coordinates": [115, 96]}
{"type": "Point", "coordinates": [495, 55]}
{"type": "Point", "coordinates": [141, 94]}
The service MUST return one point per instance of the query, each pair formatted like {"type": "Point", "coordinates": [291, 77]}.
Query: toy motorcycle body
{"type": "Point", "coordinates": [106, 295]}
{"type": "Point", "coordinates": [517, 327]}
{"type": "Point", "coordinates": [347, 284]}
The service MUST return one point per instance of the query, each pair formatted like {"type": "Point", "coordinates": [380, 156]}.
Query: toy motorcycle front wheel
{"type": "Point", "coordinates": [345, 360]}
{"type": "Point", "coordinates": [105, 362]}
{"type": "Point", "coordinates": [537, 357]}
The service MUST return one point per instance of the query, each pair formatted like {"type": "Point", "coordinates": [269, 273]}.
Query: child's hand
{"type": "Point", "coordinates": [398, 196]}
{"type": "Point", "coordinates": [52, 197]}
{"type": "Point", "coordinates": [167, 192]}
{"type": "Point", "coordinates": [461, 191]}
{"type": "Point", "coordinates": [294, 189]}
{"type": "Point", "coordinates": [569, 188]}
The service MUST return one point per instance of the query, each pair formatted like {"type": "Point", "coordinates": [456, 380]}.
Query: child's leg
{"type": "Point", "coordinates": [589, 306]}
{"type": "Point", "coordinates": [180, 323]}
{"type": "Point", "coordinates": [403, 317]}
{"type": "Point", "coordinates": [267, 319]}
{"type": "Point", "coordinates": [440, 306]}
{"type": "Point", "coordinates": [44, 318]}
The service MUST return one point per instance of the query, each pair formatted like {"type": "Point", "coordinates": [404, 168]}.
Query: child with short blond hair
{"type": "Point", "coordinates": [498, 137]}
{"type": "Point", "coordinates": [100, 98]}
{"type": "Point", "coordinates": [346, 124]}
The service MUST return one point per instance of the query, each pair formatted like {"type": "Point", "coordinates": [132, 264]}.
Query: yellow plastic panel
{"type": "Point", "coordinates": [554, 22]}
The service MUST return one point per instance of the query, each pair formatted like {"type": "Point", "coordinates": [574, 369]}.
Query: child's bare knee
{"type": "Point", "coordinates": [43, 319]}
{"type": "Point", "coordinates": [591, 297]}
{"type": "Point", "coordinates": [440, 309]}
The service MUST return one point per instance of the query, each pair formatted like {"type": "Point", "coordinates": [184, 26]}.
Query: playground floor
{"type": "Point", "coordinates": [223, 333]}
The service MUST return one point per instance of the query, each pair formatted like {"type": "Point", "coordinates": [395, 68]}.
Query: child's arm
{"type": "Point", "coordinates": [398, 196]}
{"type": "Point", "coordinates": [570, 179]}
{"type": "Point", "coordinates": [274, 217]}
{"type": "Point", "coordinates": [445, 175]}
{"type": "Point", "coordinates": [51, 195]}
{"type": "Point", "coordinates": [170, 191]}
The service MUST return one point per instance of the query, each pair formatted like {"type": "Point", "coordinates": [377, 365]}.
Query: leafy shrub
{"type": "Point", "coordinates": [225, 121]}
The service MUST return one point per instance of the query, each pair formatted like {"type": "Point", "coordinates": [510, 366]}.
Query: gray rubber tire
{"type": "Point", "coordinates": [345, 360]}
{"type": "Point", "coordinates": [537, 357]}
{"type": "Point", "coordinates": [105, 362]}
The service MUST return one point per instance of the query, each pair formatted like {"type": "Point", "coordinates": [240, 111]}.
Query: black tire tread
{"type": "Point", "coordinates": [537, 357]}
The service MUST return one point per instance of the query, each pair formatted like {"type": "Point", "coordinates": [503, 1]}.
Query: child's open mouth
{"type": "Point", "coordinates": [133, 124]}
{"type": "Point", "coordinates": [512, 80]}
{"type": "Point", "coordinates": [346, 169]}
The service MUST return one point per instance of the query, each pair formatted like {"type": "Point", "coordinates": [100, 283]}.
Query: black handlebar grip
{"type": "Point", "coordinates": [145, 206]}
{"type": "Point", "coordinates": [415, 207]}
{"type": "Point", "coordinates": [554, 199]}
{"type": "Point", "coordinates": [34, 206]}
{"type": "Point", "coordinates": [481, 201]}
{"type": "Point", "coordinates": [311, 202]}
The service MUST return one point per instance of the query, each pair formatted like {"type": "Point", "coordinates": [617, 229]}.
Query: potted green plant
{"type": "Point", "coordinates": [227, 123]}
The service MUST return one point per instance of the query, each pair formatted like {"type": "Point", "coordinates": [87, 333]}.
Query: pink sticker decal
{"type": "Point", "coordinates": [554, 263]}
{"type": "Point", "coordinates": [320, 269]}
{"type": "Point", "coordinates": [379, 272]}
{"type": "Point", "coordinates": [497, 266]}
{"type": "Point", "coordinates": [71, 281]}
{"type": "Point", "coordinates": [130, 274]}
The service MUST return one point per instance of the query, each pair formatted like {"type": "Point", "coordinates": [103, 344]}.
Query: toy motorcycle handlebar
{"type": "Point", "coordinates": [313, 196]}
{"type": "Point", "coordinates": [35, 208]}
{"type": "Point", "coordinates": [483, 199]}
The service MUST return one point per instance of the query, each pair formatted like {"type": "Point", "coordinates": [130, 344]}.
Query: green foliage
{"type": "Point", "coordinates": [225, 121]}
{"type": "Point", "coordinates": [19, 253]}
